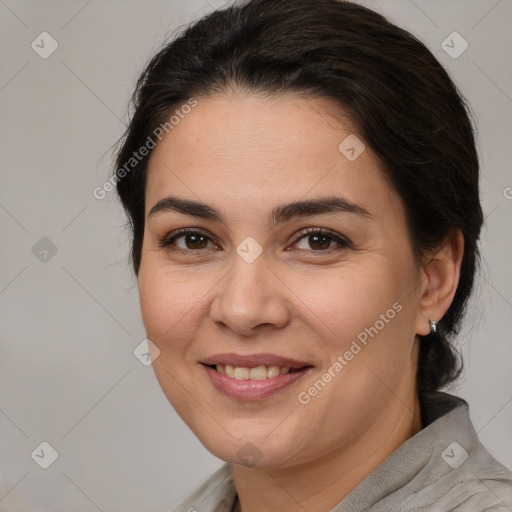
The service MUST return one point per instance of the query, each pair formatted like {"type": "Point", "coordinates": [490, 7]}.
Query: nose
{"type": "Point", "coordinates": [251, 297]}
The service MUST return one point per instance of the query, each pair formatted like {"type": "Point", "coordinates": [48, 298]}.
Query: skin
{"type": "Point", "coordinates": [244, 154]}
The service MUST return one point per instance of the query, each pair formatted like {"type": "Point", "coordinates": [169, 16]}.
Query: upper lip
{"type": "Point", "coordinates": [253, 360]}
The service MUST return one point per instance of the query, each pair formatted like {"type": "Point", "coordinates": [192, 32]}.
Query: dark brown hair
{"type": "Point", "coordinates": [396, 93]}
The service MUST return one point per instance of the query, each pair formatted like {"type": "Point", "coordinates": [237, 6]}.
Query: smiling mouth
{"type": "Point", "coordinates": [253, 377]}
{"type": "Point", "coordinates": [255, 373]}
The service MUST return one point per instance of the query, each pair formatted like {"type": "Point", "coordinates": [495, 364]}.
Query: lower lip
{"type": "Point", "coordinates": [252, 389]}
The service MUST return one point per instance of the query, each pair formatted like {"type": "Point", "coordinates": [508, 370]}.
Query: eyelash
{"type": "Point", "coordinates": [167, 241]}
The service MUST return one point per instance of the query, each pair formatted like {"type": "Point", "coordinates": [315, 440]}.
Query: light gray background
{"type": "Point", "coordinates": [69, 325]}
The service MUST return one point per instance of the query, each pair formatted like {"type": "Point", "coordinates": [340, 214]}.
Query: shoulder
{"type": "Point", "coordinates": [484, 485]}
{"type": "Point", "coordinates": [216, 494]}
{"type": "Point", "coordinates": [473, 491]}
{"type": "Point", "coordinates": [462, 476]}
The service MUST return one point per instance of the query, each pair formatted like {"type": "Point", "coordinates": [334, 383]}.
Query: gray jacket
{"type": "Point", "coordinates": [443, 468]}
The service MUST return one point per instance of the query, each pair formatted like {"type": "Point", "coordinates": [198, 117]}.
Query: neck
{"type": "Point", "coordinates": [323, 483]}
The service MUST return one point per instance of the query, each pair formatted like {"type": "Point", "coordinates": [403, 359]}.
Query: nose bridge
{"type": "Point", "coordinates": [249, 296]}
{"type": "Point", "coordinates": [247, 281]}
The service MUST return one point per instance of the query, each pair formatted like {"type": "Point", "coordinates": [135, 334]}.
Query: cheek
{"type": "Point", "coordinates": [165, 301]}
{"type": "Point", "coordinates": [370, 306]}
{"type": "Point", "coordinates": [348, 300]}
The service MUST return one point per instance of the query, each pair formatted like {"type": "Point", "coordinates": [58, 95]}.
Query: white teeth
{"type": "Point", "coordinates": [242, 373]}
{"type": "Point", "coordinates": [272, 371]}
{"type": "Point", "coordinates": [256, 373]}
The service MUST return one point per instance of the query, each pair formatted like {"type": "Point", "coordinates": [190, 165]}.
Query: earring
{"type": "Point", "coordinates": [433, 326]}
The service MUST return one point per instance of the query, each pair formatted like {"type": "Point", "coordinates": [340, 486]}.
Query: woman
{"type": "Point", "coordinates": [301, 181]}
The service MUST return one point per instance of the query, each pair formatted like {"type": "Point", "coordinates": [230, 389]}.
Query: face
{"type": "Point", "coordinates": [272, 252]}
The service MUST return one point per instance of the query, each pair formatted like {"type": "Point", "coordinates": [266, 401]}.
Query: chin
{"type": "Point", "coordinates": [250, 450]}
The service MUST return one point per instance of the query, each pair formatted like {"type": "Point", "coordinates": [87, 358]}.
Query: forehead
{"type": "Point", "coordinates": [263, 126]}
{"type": "Point", "coordinates": [251, 149]}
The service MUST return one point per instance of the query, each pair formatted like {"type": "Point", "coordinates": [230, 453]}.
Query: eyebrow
{"type": "Point", "coordinates": [279, 215]}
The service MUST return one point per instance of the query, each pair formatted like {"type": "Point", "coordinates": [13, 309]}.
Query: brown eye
{"type": "Point", "coordinates": [194, 241]}
{"type": "Point", "coordinates": [190, 241]}
{"type": "Point", "coordinates": [320, 240]}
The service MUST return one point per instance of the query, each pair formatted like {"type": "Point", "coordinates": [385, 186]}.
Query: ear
{"type": "Point", "coordinates": [439, 278]}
